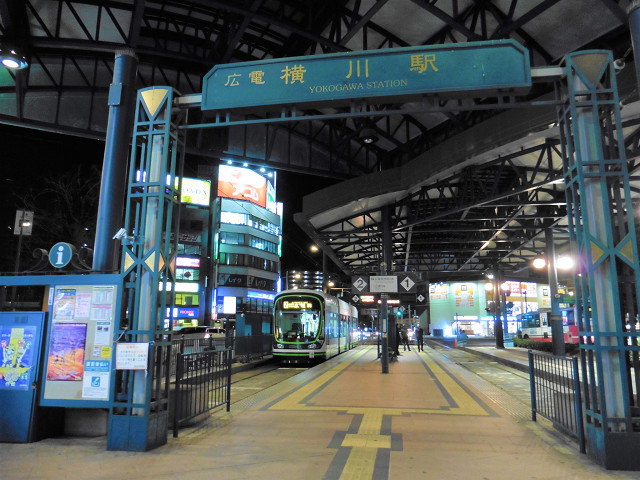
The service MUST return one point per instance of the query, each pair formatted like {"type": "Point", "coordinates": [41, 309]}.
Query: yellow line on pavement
{"type": "Point", "coordinates": [466, 404]}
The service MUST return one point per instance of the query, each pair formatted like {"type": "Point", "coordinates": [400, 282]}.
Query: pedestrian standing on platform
{"type": "Point", "coordinates": [405, 341]}
{"type": "Point", "coordinates": [398, 338]}
{"type": "Point", "coordinates": [420, 340]}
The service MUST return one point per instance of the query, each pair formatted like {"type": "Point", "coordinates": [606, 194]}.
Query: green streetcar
{"type": "Point", "coordinates": [312, 326]}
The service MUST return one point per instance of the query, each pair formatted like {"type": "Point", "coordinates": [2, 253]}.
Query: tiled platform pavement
{"type": "Point", "coordinates": [428, 418]}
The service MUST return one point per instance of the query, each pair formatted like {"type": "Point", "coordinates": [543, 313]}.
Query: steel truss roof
{"type": "Point", "coordinates": [487, 209]}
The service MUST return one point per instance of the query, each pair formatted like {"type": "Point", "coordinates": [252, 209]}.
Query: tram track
{"type": "Point", "coordinates": [250, 382]}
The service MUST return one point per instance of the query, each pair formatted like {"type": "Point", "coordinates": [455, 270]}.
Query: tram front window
{"type": "Point", "coordinates": [297, 326]}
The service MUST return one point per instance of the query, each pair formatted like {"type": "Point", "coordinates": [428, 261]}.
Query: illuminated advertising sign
{"type": "Point", "coordinates": [263, 296]}
{"type": "Point", "coordinates": [271, 198]}
{"type": "Point", "coordinates": [296, 305]}
{"type": "Point", "coordinates": [391, 301]}
{"type": "Point", "coordinates": [180, 312]}
{"type": "Point", "coordinates": [187, 262]}
{"type": "Point", "coordinates": [188, 287]}
{"type": "Point", "coordinates": [367, 298]}
{"type": "Point", "coordinates": [242, 184]}
{"type": "Point", "coordinates": [195, 191]}
{"type": "Point", "coordinates": [228, 305]}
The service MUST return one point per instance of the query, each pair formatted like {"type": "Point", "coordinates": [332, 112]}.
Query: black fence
{"type": "Point", "coordinates": [202, 383]}
{"type": "Point", "coordinates": [184, 345]}
{"type": "Point", "coordinates": [252, 347]}
{"type": "Point", "coordinates": [555, 393]}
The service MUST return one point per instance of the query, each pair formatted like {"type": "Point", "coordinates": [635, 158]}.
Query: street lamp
{"type": "Point", "coordinates": [315, 249]}
{"type": "Point", "coordinates": [564, 262]}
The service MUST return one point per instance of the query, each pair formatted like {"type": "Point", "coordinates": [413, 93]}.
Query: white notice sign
{"type": "Point", "coordinates": [383, 284]}
{"type": "Point", "coordinates": [132, 356]}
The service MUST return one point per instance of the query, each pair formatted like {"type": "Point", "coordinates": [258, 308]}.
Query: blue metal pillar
{"type": "Point", "coordinates": [122, 101]}
{"type": "Point", "coordinates": [602, 232]}
{"type": "Point", "coordinates": [139, 417]}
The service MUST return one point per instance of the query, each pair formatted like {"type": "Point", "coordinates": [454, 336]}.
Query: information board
{"type": "Point", "coordinates": [78, 361]}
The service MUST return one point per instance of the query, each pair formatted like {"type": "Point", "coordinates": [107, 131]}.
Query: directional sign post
{"type": "Point", "coordinates": [332, 79]}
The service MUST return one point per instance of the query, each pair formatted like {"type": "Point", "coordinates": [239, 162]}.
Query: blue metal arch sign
{"type": "Point", "coordinates": [480, 67]}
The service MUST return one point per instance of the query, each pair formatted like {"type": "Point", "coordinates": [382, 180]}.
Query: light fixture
{"type": "Point", "coordinates": [565, 262]}
{"type": "Point", "coordinates": [314, 248]}
{"type": "Point", "coordinates": [539, 262]}
{"type": "Point", "coordinates": [12, 59]}
{"type": "Point", "coordinates": [488, 286]}
{"type": "Point", "coordinates": [368, 135]}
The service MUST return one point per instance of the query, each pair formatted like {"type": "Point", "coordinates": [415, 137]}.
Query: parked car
{"type": "Point", "coordinates": [217, 331]}
{"type": "Point", "coordinates": [199, 332]}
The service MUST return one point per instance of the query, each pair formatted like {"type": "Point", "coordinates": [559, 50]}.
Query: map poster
{"type": "Point", "coordinates": [66, 352]}
{"type": "Point", "coordinates": [16, 360]}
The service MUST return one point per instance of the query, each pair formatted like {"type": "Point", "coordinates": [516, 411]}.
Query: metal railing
{"type": "Point", "coordinates": [202, 383]}
{"type": "Point", "coordinates": [555, 393]}
{"type": "Point", "coordinates": [252, 347]}
{"type": "Point", "coordinates": [193, 345]}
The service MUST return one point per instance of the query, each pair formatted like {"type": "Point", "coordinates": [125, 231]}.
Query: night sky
{"type": "Point", "coordinates": [28, 156]}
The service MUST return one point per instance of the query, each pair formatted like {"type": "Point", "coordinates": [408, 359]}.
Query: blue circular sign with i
{"type": "Point", "coordinates": [60, 254]}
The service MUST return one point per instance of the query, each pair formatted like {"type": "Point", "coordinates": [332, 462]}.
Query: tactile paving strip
{"type": "Point", "coordinates": [501, 389]}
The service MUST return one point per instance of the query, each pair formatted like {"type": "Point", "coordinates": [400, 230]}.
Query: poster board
{"type": "Point", "coordinates": [78, 362]}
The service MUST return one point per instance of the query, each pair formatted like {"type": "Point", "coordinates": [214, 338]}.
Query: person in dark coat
{"type": "Point", "coordinates": [405, 340]}
{"type": "Point", "coordinates": [420, 339]}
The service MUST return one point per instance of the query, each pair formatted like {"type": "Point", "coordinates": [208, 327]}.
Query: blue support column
{"type": "Point", "coordinates": [122, 104]}
{"type": "Point", "coordinates": [602, 232]}
{"type": "Point", "coordinates": [138, 420]}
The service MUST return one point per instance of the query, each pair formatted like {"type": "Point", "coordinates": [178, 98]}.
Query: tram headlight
{"type": "Point", "coordinates": [280, 345]}
{"type": "Point", "coordinates": [313, 346]}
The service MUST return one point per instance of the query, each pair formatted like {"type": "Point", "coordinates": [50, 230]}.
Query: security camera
{"type": "Point", "coordinates": [120, 234]}
{"type": "Point", "coordinates": [618, 65]}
